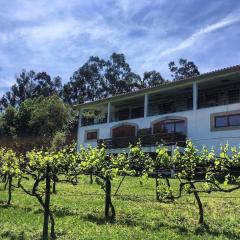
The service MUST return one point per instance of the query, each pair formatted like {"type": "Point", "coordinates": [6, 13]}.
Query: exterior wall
{"type": "Point", "coordinates": [198, 127]}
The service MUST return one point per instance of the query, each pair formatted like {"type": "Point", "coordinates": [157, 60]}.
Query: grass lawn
{"type": "Point", "coordinates": [79, 214]}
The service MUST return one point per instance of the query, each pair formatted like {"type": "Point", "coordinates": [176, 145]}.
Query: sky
{"type": "Point", "coordinates": [58, 36]}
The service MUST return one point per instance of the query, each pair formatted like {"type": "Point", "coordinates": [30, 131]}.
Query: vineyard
{"type": "Point", "coordinates": [90, 194]}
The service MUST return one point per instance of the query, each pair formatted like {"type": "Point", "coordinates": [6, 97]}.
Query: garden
{"type": "Point", "coordinates": [90, 194]}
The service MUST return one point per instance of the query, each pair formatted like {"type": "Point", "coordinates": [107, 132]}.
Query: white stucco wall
{"type": "Point", "coordinates": [198, 127]}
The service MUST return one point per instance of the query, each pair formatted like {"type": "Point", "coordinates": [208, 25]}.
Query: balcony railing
{"type": "Point", "coordinates": [146, 140]}
{"type": "Point", "coordinates": [170, 104]}
{"type": "Point", "coordinates": [92, 121]}
{"type": "Point", "coordinates": [219, 96]}
{"type": "Point", "coordinates": [126, 115]}
{"type": "Point", "coordinates": [168, 108]}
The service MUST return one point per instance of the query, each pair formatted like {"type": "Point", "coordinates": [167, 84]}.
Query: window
{"type": "Point", "coordinates": [221, 121]}
{"type": "Point", "coordinates": [227, 121]}
{"type": "Point", "coordinates": [234, 120]}
{"type": "Point", "coordinates": [170, 126]}
{"type": "Point", "coordinates": [92, 135]}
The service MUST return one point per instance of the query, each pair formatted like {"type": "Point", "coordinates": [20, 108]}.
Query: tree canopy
{"type": "Point", "coordinates": [152, 78]}
{"type": "Point", "coordinates": [184, 70]}
{"type": "Point", "coordinates": [29, 85]}
{"type": "Point", "coordinates": [99, 78]}
{"type": "Point", "coordinates": [36, 118]}
{"type": "Point", "coordinates": [96, 79]}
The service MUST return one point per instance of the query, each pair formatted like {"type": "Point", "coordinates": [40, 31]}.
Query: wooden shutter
{"type": "Point", "coordinates": [92, 135]}
{"type": "Point", "coordinates": [124, 131]}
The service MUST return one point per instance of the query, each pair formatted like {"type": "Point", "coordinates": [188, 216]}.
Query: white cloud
{"type": "Point", "coordinates": [49, 31]}
{"type": "Point", "coordinates": [201, 32]}
{"type": "Point", "coordinates": [58, 36]}
{"type": "Point", "coordinates": [131, 7]}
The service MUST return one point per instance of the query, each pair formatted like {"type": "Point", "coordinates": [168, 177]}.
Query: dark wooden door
{"type": "Point", "coordinates": [124, 131]}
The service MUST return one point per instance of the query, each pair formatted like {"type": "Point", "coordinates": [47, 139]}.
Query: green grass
{"type": "Point", "coordinates": [139, 216]}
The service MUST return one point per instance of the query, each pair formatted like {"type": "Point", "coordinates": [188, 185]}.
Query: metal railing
{"type": "Point", "coordinates": [116, 116]}
{"type": "Point", "coordinates": [146, 140]}
{"type": "Point", "coordinates": [92, 121]}
{"type": "Point", "coordinates": [168, 108]}
{"type": "Point", "coordinates": [219, 96]}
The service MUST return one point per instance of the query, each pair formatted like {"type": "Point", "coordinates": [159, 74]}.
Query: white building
{"type": "Point", "coordinates": [205, 109]}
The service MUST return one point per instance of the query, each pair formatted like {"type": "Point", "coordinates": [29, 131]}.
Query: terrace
{"type": "Point", "coordinates": [169, 132]}
{"type": "Point", "coordinates": [145, 140]}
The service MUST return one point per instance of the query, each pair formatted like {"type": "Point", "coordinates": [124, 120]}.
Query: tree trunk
{"type": "Point", "coordinates": [53, 236]}
{"type": "Point", "coordinates": [113, 211]}
{"type": "Point", "coordinates": [108, 201]}
{"type": "Point", "coordinates": [170, 196]}
{"type": "Point", "coordinates": [200, 206]}
{"type": "Point", "coordinates": [47, 204]}
{"type": "Point", "coordinates": [91, 179]}
{"type": "Point", "coordinates": [54, 184]}
{"type": "Point", "coordinates": [9, 190]}
{"type": "Point", "coordinates": [5, 179]}
{"type": "Point", "coordinates": [157, 185]}
{"type": "Point", "coordinates": [119, 185]}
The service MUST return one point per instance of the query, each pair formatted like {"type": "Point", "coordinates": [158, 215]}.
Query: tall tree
{"type": "Point", "coordinates": [99, 78]}
{"type": "Point", "coordinates": [8, 122]}
{"type": "Point", "coordinates": [152, 78]}
{"type": "Point", "coordinates": [119, 76]}
{"type": "Point", "coordinates": [85, 83]}
{"type": "Point", "coordinates": [184, 70]}
{"type": "Point", "coordinates": [45, 86]}
{"type": "Point", "coordinates": [28, 85]}
{"type": "Point", "coordinates": [40, 116]}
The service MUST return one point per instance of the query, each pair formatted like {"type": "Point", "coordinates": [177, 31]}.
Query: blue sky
{"type": "Point", "coordinates": [58, 36]}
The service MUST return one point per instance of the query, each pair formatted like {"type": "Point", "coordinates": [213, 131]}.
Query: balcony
{"type": "Point", "coordinates": [93, 116]}
{"type": "Point", "coordinates": [92, 121]}
{"type": "Point", "coordinates": [146, 140]}
{"type": "Point", "coordinates": [211, 96]}
{"type": "Point", "coordinates": [125, 110]}
{"type": "Point", "coordinates": [170, 102]}
{"type": "Point", "coordinates": [186, 98]}
{"type": "Point", "coordinates": [126, 114]}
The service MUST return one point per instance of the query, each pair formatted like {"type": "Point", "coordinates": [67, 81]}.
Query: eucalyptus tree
{"type": "Point", "coordinates": [185, 69]}
{"type": "Point", "coordinates": [100, 78]}
{"type": "Point", "coordinates": [30, 84]}
{"type": "Point", "coordinates": [152, 78]}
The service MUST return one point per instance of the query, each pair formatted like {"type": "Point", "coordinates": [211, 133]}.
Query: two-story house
{"type": "Point", "coordinates": [205, 109]}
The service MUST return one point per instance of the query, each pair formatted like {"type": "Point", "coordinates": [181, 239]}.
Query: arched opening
{"type": "Point", "coordinates": [170, 130]}
{"type": "Point", "coordinates": [170, 126]}
{"type": "Point", "coordinates": [123, 135]}
{"type": "Point", "coordinates": [126, 130]}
